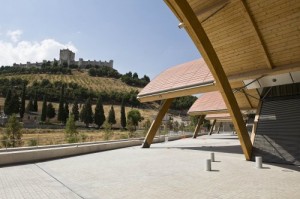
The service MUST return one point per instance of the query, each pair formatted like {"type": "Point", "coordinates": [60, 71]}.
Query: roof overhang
{"type": "Point", "coordinates": [213, 103]}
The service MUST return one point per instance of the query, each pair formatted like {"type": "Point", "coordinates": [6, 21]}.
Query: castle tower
{"type": "Point", "coordinates": [66, 56]}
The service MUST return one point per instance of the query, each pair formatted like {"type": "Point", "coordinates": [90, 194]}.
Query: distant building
{"type": "Point", "coordinates": [67, 56]}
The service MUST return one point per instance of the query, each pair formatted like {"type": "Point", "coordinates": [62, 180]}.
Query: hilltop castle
{"type": "Point", "coordinates": [68, 57]}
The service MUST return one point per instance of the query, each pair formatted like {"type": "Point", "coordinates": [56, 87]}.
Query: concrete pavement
{"type": "Point", "coordinates": [166, 170]}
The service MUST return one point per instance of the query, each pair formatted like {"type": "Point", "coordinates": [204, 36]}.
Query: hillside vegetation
{"type": "Point", "coordinates": [97, 84]}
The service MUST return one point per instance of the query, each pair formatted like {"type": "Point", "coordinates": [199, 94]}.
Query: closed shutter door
{"type": "Point", "coordinates": [278, 132]}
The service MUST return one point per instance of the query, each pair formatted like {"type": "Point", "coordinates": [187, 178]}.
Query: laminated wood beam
{"type": "Point", "coordinates": [257, 34]}
{"type": "Point", "coordinates": [156, 123]}
{"type": "Point", "coordinates": [199, 124]}
{"type": "Point", "coordinates": [212, 127]}
{"type": "Point", "coordinates": [202, 42]}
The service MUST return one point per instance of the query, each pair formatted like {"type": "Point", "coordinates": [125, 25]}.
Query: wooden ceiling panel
{"type": "Point", "coordinates": [233, 40]}
{"type": "Point", "coordinates": [279, 24]}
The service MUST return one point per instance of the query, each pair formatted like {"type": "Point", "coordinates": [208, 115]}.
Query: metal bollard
{"type": "Point", "coordinates": [258, 162]}
{"type": "Point", "coordinates": [208, 165]}
{"type": "Point", "coordinates": [212, 156]}
{"type": "Point", "coordinates": [166, 138]}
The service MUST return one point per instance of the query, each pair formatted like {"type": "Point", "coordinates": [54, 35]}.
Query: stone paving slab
{"type": "Point", "coordinates": [166, 170]}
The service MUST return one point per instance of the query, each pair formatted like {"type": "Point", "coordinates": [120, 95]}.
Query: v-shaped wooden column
{"type": "Point", "coordinates": [156, 123]}
{"type": "Point", "coordinates": [199, 124]}
{"type": "Point", "coordinates": [212, 127]}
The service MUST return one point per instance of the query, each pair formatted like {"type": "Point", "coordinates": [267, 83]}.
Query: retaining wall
{"type": "Point", "coordinates": [36, 154]}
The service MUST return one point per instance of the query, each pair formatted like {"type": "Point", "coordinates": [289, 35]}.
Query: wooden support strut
{"type": "Point", "coordinates": [219, 127]}
{"type": "Point", "coordinates": [156, 123]}
{"type": "Point", "coordinates": [199, 124]}
{"type": "Point", "coordinates": [198, 35]}
{"type": "Point", "coordinates": [212, 127]}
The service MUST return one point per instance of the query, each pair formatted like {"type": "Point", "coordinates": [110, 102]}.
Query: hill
{"type": "Point", "coordinates": [78, 84]}
{"type": "Point", "coordinates": [97, 84]}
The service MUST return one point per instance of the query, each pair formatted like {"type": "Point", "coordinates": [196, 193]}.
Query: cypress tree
{"type": "Point", "coordinates": [50, 111]}
{"type": "Point", "coordinates": [7, 102]}
{"type": "Point", "coordinates": [123, 115]}
{"type": "Point", "coordinates": [44, 109]}
{"type": "Point", "coordinates": [111, 116]}
{"type": "Point", "coordinates": [99, 113]}
{"type": "Point", "coordinates": [15, 103]}
{"type": "Point", "coordinates": [12, 103]}
{"type": "Point", "coordinates": [86, 114]}
{"type": "Point", "coordinates": [67, 112]}
{"type": "Point", "coordinates": [35, 103]}
{"type": "Point", "coordinates": [61, 111]}
{"type": "Point", "coordinates": [75, 110]}
{"type": "Point", "coordinates": [22, 108]}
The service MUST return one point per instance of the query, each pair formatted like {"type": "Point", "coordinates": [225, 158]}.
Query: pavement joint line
{"type": "Point", "coordinates": [59, 181]}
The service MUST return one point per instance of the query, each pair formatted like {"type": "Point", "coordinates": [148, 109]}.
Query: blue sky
{"type": "Point", "coordinates": [139, 35]}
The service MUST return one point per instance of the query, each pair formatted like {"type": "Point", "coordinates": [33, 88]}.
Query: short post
{"type": "Point", "coordinates": [258, 162]}
{"type": "Point", "coordinates": [212, 156]}
{"type": "Point", "coordinates": [208, 165]}
{"type": "Point", "coordinates": [166, 138]}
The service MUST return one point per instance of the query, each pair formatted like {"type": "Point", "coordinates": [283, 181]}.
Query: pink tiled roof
{"type": "Point", "coordinates": [181, 76]}
{"type": "Point", "coordinates": [211, 101]}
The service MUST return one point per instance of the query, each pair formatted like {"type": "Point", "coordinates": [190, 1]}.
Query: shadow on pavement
{"type": "Point", "coordinates": [223, 149]}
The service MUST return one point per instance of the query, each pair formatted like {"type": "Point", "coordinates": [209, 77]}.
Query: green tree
{"type": "Point", "coordinates": [67, 112]}
{"type": "Point", "coordinates": [7, 102]}
{"type": "Point", "coordinates": [13, 106]}
{"type": "Point", "coordinates": [22, 108]}
{"type": "Point", "coordinates": [86, 114]}
{"type": "Point", "coordinates": [35, 103]}
{"type": "Point", "coordinates": [75, 110]}
{"type": "Point", "coordinates": [71, 133]}
{"type": "Point", "coordinates": [50, 111]}
{"type": "Point", "coordinates": [99, 113]}
{"type": "Point", "coordinates": [131, 128]}
{"type": "Point", "coordinates": [111, 116]}
{"type": "Point", "coordinates": [135, 117]}
{"type": "Point", "coordinates": [15, 103]}
{"type": "Point", "coordinates": [29, 107]}
{"type": "Point", "coordinates": [123, 115]}
{"type": "Point", "coordinates": [44, 109]}
{"type": "Point", "coordinates": [13, 133]}
{"type": "Point", "coordinates": [61, 112]}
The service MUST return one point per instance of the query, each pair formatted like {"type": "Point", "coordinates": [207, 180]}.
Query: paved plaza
{"type": "Point", "coordinates": [166, 170]}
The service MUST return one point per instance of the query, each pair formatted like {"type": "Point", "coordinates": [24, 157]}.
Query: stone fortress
{"type": "Point", "coordinates": [67, 56]}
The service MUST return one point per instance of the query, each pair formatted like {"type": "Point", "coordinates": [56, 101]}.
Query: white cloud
{"type": "Point", "coordinates": [14, 34]}
{"type": "Point", "coordinates": [23, 51]}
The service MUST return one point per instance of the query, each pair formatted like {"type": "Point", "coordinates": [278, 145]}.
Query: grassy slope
{"type": "Point", "coordinates": [81, 78]}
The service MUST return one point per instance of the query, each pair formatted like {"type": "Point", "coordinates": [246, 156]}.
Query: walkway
{"type": "Point", "coordinates": [167, 170]}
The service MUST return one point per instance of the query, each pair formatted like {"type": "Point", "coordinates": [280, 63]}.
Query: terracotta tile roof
{"type": "Point", "coordinates": [185, 75]}
{"type": "Point", "coordinates": [211, 101]}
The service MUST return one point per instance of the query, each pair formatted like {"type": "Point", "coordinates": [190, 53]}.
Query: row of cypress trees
{"type": "Point", "coordinates": [86, 115]}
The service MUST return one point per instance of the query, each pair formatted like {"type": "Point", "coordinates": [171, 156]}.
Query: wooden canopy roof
{"type": "Point", "coordinates": [189, 78]}
{"type": "Point", "coordinates": [184, 79]}
{"type": "Point", "coordinates": [213, 103]}
{"type": "Point", "coordinates": [250, 38]}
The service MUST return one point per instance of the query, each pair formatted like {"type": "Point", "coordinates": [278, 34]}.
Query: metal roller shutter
{"type": "Point", "coordinates": [277, 137]}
